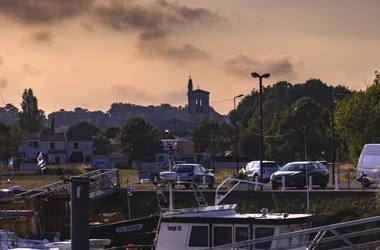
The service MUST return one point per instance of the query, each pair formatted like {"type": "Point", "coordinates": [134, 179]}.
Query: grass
{"type": "Point", "coordinates": [220, 175]}
{"type": "Point", "coordinates": [35, 180]}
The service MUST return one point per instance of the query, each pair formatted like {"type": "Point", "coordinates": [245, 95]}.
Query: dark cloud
{"type": "Point", "coordinates": [155, 24]}
{"type": "Point", "coordinates": [3, 82]}
{"type": "Point", "coordinates": [43, 36]}
{"type": "Point", "coordinates": [43, 11]}
{"type": "Point", "coordinates": [243, 66]}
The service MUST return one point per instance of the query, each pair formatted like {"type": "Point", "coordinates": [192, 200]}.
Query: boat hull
{"type": "Point", "coordinates": [138, 231]}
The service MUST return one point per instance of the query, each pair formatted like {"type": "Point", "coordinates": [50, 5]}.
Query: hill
{"type": "Point", "coordinates": [116, 115]}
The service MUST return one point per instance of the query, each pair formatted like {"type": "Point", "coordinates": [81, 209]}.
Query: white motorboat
{"type": "Point", "coordinates": [221, 227]}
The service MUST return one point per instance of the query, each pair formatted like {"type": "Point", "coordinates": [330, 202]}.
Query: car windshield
{"type": "Point", "coordinates": [183, 168]}
{"type": "Point", "coordinates": [271, 165]}
{"type": "Point", "coordinates": [293, 167]}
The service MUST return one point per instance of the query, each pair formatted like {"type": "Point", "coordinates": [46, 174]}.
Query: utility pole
{"type": "Point", "coordinates": [304, 142]}
{"type": "Point", "coordinates": [333, 140]}
{"type": "Point", "coordinates": [236, 135]}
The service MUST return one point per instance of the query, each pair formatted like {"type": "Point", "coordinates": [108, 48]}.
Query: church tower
{"type": "Point", "coordinates": [198, 103]}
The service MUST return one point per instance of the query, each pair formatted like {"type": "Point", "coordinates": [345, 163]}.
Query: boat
{"type": "Point", "coordinates": [139, 231]}
{"type": "Point", "coordinates": [95, 244]}
{"type": "Point", "coordinates": [219, 225]}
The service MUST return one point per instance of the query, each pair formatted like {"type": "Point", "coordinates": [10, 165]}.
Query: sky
{"type": "Point", "coordinates": [92, 53]}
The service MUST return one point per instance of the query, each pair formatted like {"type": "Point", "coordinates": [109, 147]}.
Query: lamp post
{"type": "Point", "coordinates": [236, 134]}
{"type": "Point", "coordinates": [257, 75]}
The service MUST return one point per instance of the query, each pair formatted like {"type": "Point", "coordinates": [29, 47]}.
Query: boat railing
{"type": "Point", "coordinates": [219, 197]}
{"type": "Point", "coordinates": [167, 205]}
{"type": "Point", "coordinates": [134, 247]}
{"type": "Point", "coordinates": [322, 235]}
{"type": "Point", "coordinates": [105, 178]}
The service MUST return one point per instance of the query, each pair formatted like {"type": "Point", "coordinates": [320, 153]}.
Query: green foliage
{"type": "Point", "coordinates": [30, 116]}
{"type": "Point", "coordinates": [138, 138]}
{"type": "Point", "coordinates": [83, 131]}
{"type": "Point", "coordinates": [76, 157]}
{"type": "Point", "coordinates": [69, 171]}
{"type": "Point", "coordinates": [283, 125]}
{"type": "Point", "coordinates": [100, 139]}
{"type": "Point", "coordinates": [10, 142]}
{"type": "Point", "coordinates": [357, 118]}
{"type": "Point", "coordinates": [212, 136]}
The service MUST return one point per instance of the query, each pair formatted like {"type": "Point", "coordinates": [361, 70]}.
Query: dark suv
{"type": "Point", "coordinates": [296, 174]}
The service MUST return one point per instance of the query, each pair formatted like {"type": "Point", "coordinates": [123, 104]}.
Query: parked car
{"type": "Point", "coordinates": [194, 173]}
{"type": "Point", "coordinates": [295, 175]}
{"type": "Point", "coordinates": [252, 169]}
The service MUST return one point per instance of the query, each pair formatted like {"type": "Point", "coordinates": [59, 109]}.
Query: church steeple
{"type": "Point", "coordinates": [190, 85]}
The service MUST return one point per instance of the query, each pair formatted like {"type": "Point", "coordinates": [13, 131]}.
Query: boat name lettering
{"type": "Point", "coordinates": [174, 228]}
{"type": "Point", "coordinates": [129, 228]}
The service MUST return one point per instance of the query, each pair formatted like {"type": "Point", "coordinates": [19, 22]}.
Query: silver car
{"type": "Point", "coordinates": [252, 169]}
{"type": "Point", "coordinates": [194, 173]}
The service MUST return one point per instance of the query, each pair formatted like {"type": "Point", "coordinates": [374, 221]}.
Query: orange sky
{"type": "Point", "coordinates": [93, 53]}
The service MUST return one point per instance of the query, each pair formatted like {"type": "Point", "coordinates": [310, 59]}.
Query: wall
{"type": "Point", "coordinates": [59, 145]}
{"type": "Point", "coordinates": [329, 207]}
{"type": "Point", "coordinates": [86, 147]}
{"type": "Point", "coordinates": [30, 151]}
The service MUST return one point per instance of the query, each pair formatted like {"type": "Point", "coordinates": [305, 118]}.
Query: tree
{"type": "Point", "coordinates": [100, 139]}
{"type": "Point", "coordinates": [83, 131]}
{"type": "Point", "coordinates": [357, 118]}
{"type": "Point", "coordinates": [138, 138]}
{"type": "Point", "coordinates": [212, 136]}
{"type": "Point", "coordinates": [30, 115]}
{"type": "Point", "coordinates": [10, 142]}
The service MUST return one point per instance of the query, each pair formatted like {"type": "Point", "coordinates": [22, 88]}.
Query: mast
{"type": "Point", "coordinates": [171, 161]}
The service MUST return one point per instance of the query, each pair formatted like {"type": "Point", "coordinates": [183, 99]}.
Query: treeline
{"type": "Point", "coordinates": [292, 115]}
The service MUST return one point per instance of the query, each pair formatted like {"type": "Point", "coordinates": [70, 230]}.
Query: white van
{"type": "Point", "coordinates": [368, 170]}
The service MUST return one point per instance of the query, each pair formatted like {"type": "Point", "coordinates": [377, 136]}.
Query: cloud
{"type": "Point", "coordinates": [243, 66]}
{"type": "Point", "coordinates": [31, 70]}
{"type": "Point", "coordinates": [155, 25]}
{"type": "Point", "coordinates": [43, 36]}
{"type": "Point", "coordinates": [3, 82]}
{"type": "Point", "coordinates": [1, 61]}
{"type": "Point", "coordinates": [130, 92]}
{"type": "Point", "coordinates": [176, 97]}
{"type": "Point", "coordinates": [43, 11]}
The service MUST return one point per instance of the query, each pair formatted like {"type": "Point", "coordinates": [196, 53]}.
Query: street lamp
{"type": "Point", "coordinates": [236, 134]}
{"type": "Point", "coordinates": [257, 75]}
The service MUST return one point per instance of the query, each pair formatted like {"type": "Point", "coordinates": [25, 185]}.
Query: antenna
{"type": "Point", "coordinates": [2, 97]}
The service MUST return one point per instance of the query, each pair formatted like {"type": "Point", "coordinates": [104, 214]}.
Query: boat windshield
{"type": "Point", "coordinates": [293, 167]}
{"type": "Point", "coordinates": [183, 168]}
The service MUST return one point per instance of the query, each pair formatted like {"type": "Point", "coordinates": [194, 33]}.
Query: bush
{"type": "Point", "coordinates": [57, 170]}
{"type": "Point", "coordinates": [76, 157]}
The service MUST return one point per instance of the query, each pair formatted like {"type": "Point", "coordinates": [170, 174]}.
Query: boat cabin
{"type": "Point", "coordinates": [211, 226]}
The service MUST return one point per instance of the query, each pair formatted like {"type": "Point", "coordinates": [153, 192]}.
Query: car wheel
{"type": "Point", "coordinates": [323, 185]}
{"type": "Point", "coordinates": [211, 184]}
{"type": "Point", "coordinates": [365, 183]}
{"type": "Point", "coordinates": [254, 178]}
